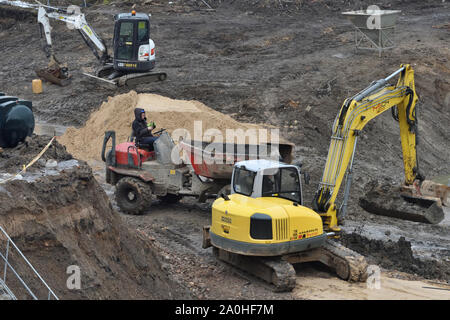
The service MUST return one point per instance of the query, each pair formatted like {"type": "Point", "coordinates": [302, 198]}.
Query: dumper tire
{"type": "Point", "coordinates": [133, 196]}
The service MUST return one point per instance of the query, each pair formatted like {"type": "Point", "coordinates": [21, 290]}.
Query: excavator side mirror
{"type": "Point", "coordinates": [306, 177]}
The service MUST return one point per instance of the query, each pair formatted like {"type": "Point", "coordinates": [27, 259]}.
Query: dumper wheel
{"type": "Point", "coordinates": [170, 198]}
{"type": "Point", "coordinates": [133, 196]}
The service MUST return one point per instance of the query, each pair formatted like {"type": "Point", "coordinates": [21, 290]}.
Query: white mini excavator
{"type": "Point", "coordinates": [134, 51]}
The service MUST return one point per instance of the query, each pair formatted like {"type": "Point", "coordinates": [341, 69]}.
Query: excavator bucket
{"type": "Point", "coordinates": [414, 203]}
{"type": "Point", "coordinates": [54, 73]}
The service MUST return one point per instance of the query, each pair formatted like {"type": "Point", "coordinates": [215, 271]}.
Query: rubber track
{"type": "Point", "coordinates": [357, 263]}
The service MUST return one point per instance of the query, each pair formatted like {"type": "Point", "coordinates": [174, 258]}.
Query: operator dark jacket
{"type": "Point", "coordinates": [140, 129]}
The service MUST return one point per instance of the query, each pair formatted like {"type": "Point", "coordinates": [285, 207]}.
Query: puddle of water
{"type": "Point", "coordinates": [42, 128]}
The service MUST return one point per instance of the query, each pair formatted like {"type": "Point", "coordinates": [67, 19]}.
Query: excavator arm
{"type": "Point", "coordinates": [75, 20]}
{"type": "Point", "coordinates": [355, 113]}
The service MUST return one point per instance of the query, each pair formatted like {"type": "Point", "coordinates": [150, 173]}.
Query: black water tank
{"type": "Point", "coordinates": [16, 120]}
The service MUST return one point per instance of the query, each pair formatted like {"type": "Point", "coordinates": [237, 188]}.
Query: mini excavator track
{"type": "Point", "coordinates": [279, 271]}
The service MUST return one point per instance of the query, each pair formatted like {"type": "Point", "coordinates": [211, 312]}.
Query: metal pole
{"type": "Point", "coordinates": [379, 43]}
{"type": "Point", "coordinates": [29, 264]}
{"type": "Point", "coordinates": [6, 261]}
{"type": "Point", "coordinates": [21, 281]}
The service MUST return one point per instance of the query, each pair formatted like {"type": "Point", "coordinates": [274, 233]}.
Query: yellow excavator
{"type": "Point", "coordinates": [263, 226]}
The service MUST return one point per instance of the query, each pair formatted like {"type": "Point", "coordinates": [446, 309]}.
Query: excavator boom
{"type": "Point", "coordinates": [355, 113]}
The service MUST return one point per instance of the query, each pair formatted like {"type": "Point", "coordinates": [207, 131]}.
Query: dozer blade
{"type": "Point", "coordinates": [131, 79]}
{"type": "Point", "coordinates": [140, 78]}
{"type": "Point", "coordinates": [110, 82]}
{"type": "Point", "coordinates": [389, 201]}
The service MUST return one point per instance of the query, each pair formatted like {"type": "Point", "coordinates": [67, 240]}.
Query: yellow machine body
{"type": "Point", "coordinates": [265, 226]}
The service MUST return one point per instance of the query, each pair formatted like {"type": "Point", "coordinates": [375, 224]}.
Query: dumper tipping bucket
{"type": "Point", "coordinates": [374, 29]}
{"type": "Point", "coordinates": [216, 160]}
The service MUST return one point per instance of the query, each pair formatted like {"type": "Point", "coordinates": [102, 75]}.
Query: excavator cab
{"type": "Point", "coordinates": [134, 51]}
{"type": "Point", "coordinates": [267, 179]}
{"type": "Point", "coordinates": [264, 215]}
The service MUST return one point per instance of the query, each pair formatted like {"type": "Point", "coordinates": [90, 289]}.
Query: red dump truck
{"type": "Point", "coordinates": [140, 176]}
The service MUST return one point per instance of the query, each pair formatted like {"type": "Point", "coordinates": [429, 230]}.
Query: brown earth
{"type": "Point", "coordinates": [63, 218]}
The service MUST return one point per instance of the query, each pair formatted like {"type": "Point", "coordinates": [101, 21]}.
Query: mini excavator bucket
{"type": "Point", "coordinates": [420, 203]}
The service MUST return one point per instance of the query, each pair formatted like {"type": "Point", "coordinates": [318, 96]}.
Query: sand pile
{"type": "Point", "coordinates": [118, 113]}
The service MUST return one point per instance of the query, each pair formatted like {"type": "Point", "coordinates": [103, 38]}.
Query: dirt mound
{"type": "Point", "coordinates": [396, 256]}
{"type": "Point", "coordinates": [64, 219]}
{"type": "Point", "coordinates": [118, 114]}
{"type": "Point", "coordinates": [12, 160]}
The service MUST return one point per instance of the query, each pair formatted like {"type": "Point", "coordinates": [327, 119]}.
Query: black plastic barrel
{"type": "Point", "coordinates": [16, 120]}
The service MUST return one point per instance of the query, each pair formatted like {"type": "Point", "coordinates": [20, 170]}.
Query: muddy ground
{"type": "Point", "coordinates": [289, 66]}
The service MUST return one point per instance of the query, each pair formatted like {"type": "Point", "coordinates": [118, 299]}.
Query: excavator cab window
{"type": "Point", "coordinates": [243, 181]}
{"type": "Point", "coordinates": [285, 183]}
{"type": "Point", "coordinates": [125, 43]}
{"type": "Point", "coordinates": [143, 36]}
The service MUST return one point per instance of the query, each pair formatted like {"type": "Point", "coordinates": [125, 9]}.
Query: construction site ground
{"type": "Point", "coordinates": [290, 66]}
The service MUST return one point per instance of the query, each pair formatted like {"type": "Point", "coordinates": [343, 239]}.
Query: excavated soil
{"type": "Point", "coordinates": [12, 160]}
{"type": "Point", "coordinates": [396, 255]}
{"type": "Point", "coordinates": [61, 218]}
{"type": "Point", "coordinates": [284, 64]}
